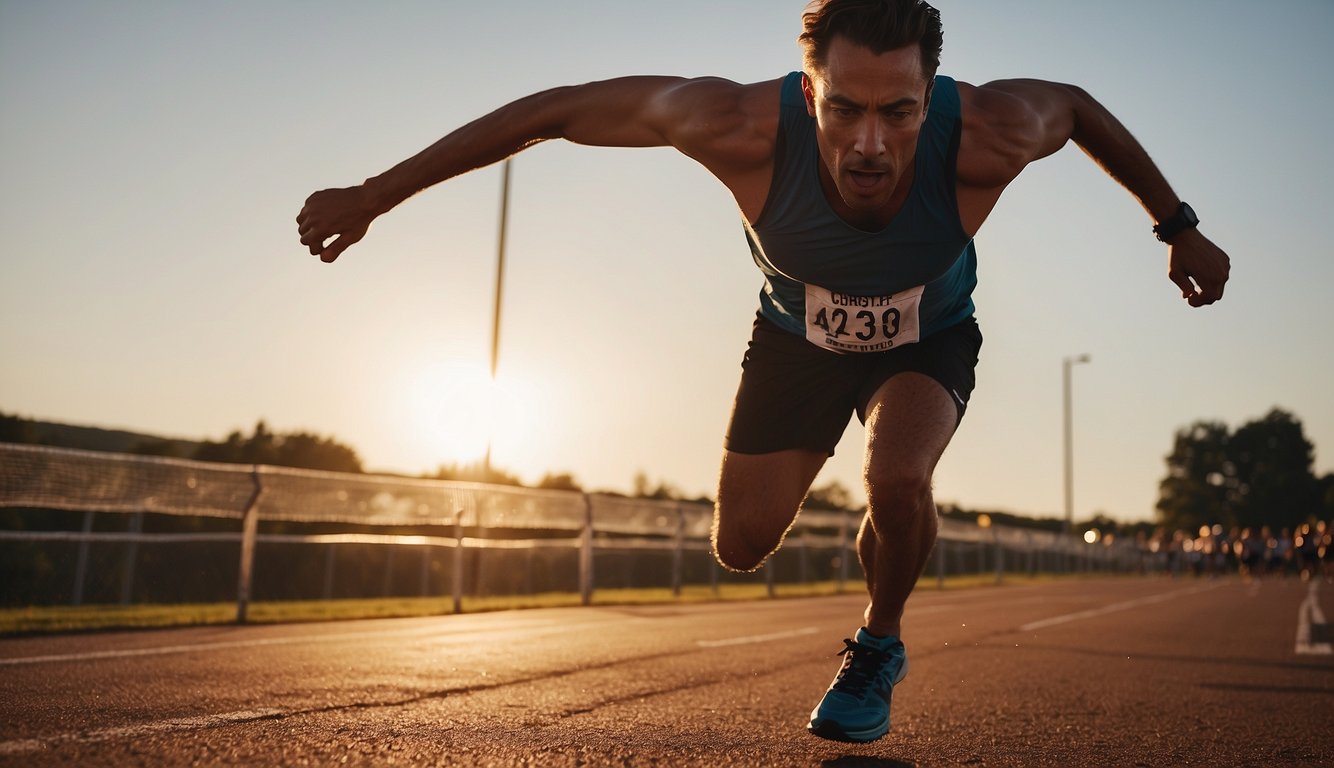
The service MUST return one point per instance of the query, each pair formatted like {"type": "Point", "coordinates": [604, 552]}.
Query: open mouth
{"type": "Point", "coordinates": [866, 179]}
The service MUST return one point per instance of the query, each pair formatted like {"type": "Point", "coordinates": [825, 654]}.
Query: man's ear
{"type": "Point", "coordinates": [926, 105]}
{"type": "Point", "coordinates": [808, 90]}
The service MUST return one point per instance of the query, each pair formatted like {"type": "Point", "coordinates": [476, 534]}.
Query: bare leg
{"type": "Point", "coordinates": [909, 423]}
{"type": "Point", "coordinates": [758, 498]}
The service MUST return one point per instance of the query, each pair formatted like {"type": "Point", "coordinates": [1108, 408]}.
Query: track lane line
{"type": "Point", "coordinates": [1116, 607]}
{"type": "Point", "coordinates": [161, 650]}
{"type": "Point", "coordinates": [1309, 614]}
{"type": "Point", "coordinates": [748, 639]}
{"type": "Point", "coordinates": [169, 725]}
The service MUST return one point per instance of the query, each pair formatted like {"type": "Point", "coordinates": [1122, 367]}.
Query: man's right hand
{"type": "Point", "coordinates": [342, 214]}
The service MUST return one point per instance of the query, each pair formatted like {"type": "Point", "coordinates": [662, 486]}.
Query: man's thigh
{"type": "Point", "coordinates": [758, 498]}
{"type": "Point", "coordinates": [910, 421]}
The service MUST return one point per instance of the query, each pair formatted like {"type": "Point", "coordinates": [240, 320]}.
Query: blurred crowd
{"type": "Point", "coordinates": [1304, 553]}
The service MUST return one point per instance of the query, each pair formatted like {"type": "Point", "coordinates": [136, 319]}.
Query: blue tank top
{"type": "Point", "coordinates": [800, 240]}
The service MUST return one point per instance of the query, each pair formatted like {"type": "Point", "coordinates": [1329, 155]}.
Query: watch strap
{"type": "Point", "coordinates": [1182, 219]}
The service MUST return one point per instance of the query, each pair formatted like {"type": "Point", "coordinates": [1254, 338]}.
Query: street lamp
{"type": "Point", "coordinates": [495, 318]}
{"type": "Point", "coordinates": [1066, 364]}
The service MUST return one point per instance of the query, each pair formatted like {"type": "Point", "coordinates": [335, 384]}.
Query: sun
{"type": "Point", "coordinates": [459, 408]}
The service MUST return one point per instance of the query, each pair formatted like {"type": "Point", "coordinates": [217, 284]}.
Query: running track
{"type": "Point", "coordinates": [1121, 672]}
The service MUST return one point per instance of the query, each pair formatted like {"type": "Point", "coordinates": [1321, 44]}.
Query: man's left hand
{"type": "Point", "coordinates": [1198, 267]}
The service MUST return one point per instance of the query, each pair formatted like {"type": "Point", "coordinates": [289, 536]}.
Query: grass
{"type": "Point", "coordinates": [57, 619]}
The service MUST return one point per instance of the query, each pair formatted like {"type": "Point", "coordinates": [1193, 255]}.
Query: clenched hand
{"type": "Point", "coordinates": [334, 219]}
{"type": "Point", "coordinates": [1198, 267]}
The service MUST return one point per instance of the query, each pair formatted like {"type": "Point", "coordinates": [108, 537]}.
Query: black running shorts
{"type": "Point", "coordinates": [794, 394]}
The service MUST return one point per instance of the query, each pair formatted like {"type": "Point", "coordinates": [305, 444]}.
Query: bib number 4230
{"type": "Point", "coordinates": [847, 323]}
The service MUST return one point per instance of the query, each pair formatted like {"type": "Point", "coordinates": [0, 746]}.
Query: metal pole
{"type": "Point", "coordinates": [456, 574]}
{"type": "Point", "coordinates": [1066, 364]}
{"type": "Point", "coordinates": [500, 283]}
{"type": "Point", "coordinates": [249, 528]}
{"type": "Point", "coordinates": [586, 554]}
{"type": "Point", "coordinates": [81, 566]}
{"type": "Point", "coordinates": [131, 554]}
{"type": "Point", "coordinates": [678, 551]}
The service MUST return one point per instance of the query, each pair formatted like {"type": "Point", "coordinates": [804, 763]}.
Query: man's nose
{"type": "Point", "coordinates": [870, 138]}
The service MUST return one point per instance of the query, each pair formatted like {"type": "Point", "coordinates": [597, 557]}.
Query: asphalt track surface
{"type": "Point", "coordinates": [1123, 672]}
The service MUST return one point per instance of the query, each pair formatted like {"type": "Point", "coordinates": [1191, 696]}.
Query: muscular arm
{"type": "Point", "coordinates": [719, 123]}
{"type": "Point", "coordinates": [1009, 124]}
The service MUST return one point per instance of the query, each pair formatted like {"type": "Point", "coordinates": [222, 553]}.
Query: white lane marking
{"type": "Point", "coordinates": [756, 638]}
{"type": "Point", "coordinates": [1115, 607]}
{"type": "Point", "coordinates": [1309, 613]}
{"type": "Point", "coordinates": [18, 746]}
{"type": "Point", "coordinates": [125, 653]}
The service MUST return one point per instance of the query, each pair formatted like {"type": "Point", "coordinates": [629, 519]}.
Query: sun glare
{"type": "Point", "coordinates": [462, 410]}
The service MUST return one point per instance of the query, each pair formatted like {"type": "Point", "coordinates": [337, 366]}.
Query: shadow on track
{"type": "Point", "coordinates": [859, 761]}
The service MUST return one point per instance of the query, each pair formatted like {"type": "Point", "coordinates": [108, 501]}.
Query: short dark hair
{"type": "Point", "coordinates": [879, 25]}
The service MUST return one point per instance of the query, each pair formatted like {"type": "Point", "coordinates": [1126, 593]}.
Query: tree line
{"type": "Point", "coordinates": [1259, 474]}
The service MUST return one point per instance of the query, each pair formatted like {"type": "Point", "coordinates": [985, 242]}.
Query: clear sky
{"type": "Point", "coordinates": [154, 157]}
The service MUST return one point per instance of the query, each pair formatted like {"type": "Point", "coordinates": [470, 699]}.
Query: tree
{"type": "Point", "coordinates": [832, 495]}
{"type": "Point", "coordinates": [297, 449]}
{"type": "Point", "coordinates": [476, 473]}
{"type": "Point", "coordinates": [1195, 491]}
{"type": "Point", "coordinates": [1259, 475]}
{"type": "Point", "coordinates": [643, 489]}
{"type": "Point", "coordinates": [16, 429]}
{"type": "Point", "coordinates": [1275, 485]}
{"type": "Point", "coordinates": [563, 481]}
{"type": "Point", "coordinates": [1325, 495]}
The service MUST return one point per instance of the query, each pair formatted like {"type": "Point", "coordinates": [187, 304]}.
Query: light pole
{"type": "Point", "coordinates": [1066, 364]}
{"type": "Point", "coordinates": [500, 282]}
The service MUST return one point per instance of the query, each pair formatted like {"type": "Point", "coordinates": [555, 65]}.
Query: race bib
{"type": "Point", "coordinates": [847, 323]}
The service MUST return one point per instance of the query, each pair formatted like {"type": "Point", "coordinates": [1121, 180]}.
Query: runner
{"type": "Point", "coordinates": [861, 181]}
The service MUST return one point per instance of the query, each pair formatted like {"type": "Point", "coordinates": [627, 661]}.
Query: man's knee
{"type": "Point", "coordinates": [738, 556]}
{"type": "Point", "coordinates": [742, 542]}
{"type": "Point", "coordinates": [758, 498]}
{"type": "Point", "coordinates": [896, 493]}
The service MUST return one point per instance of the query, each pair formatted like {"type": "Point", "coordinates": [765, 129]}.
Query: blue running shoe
{"type": "Point", "coordinates": [856, 706]}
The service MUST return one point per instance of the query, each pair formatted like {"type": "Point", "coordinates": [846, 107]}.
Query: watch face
{"type": "Point", "coordinates": [1187, 215]}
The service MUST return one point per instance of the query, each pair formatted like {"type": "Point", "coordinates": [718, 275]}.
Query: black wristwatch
{"type": "Point", "coordinates": [1183, 219]}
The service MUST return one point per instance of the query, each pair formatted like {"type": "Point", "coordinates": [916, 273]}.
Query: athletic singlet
{"type": "Point", "coordinates": [851, 290]}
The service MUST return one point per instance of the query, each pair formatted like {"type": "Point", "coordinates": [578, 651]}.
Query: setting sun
{"type": "Point", "coordinates": [462, 410]}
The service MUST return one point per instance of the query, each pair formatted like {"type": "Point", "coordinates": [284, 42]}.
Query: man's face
{"type": "Point", "coordinates": [869, 109]}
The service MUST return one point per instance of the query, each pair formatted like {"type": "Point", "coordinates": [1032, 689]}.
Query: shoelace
{"type": "Point", "coordinates": [861, 665]}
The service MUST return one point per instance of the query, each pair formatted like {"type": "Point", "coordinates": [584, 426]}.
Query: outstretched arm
{"type": "Point", "coordinates": [704, 118]}
{"type": "Point", "coordinates": [1011, 123]}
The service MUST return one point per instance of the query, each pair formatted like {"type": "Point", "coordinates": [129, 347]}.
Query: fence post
{"type": "Point", "coordinates": [803, 554]}
{"type": "Point", "coordinates": [941, 546]}
{"type": "Point", "coordinates": [678, 550]}
{"type": "Point", "coordinates": [586, 554]}
{"type": "Point", "coordinates": [136, 526]}
{"type": "Point", "coordinates": [427, 551]}
{"type": "Point", "coordinates": [843, 554]}
{"type": "Point", "coordinates": [81, 565]}
{"type": "Point", "coordinates": [1000, 556]}
{"type": "Point", "coordinates": [456, 585]}
{"type": "Point", "coordinates": [388, 587]}
{"type": "Point", "coordinates": [329, 554]}
{"type": "Point", "coordinates": [249, 527]}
